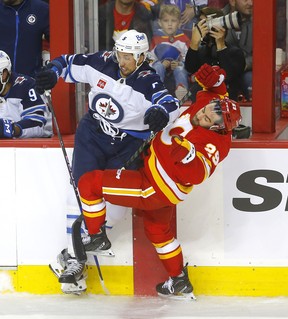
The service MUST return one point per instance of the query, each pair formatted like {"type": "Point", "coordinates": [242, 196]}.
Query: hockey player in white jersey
{"type": "Point", "coordinates": [23, 112]}
{"type": "Point", "coordinates": [127, 101]}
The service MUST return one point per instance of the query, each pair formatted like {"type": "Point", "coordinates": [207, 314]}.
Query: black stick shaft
{"type": "Point", "coordinates": [78, 246]}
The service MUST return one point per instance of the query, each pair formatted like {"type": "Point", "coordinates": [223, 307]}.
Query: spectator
{"type": "Point", "coordinates": [127, 15]}
{"type": "Point", "coordinates": [243, 39]}
{"type": "Point", "coordinates": [127, 100]}
{"type": "Point", "coordinates": [182, 155]}
{"type": "Point", "coordinates": [168, 49]}
{"type": "Point", "coordinates": [209, 46]}
{"type": "Point", "coordinates": [189, 12]}
{"type": "Point", "coordinates": [23, 25]}
{"type": "Point", "coordinates": [23, 112]}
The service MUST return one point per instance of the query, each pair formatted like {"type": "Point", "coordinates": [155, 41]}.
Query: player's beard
{"type": "Point", "coordinates": [194, 120]}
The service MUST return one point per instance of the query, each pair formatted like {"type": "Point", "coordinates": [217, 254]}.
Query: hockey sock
{"type": "Point", "coordinates": [170, 254]}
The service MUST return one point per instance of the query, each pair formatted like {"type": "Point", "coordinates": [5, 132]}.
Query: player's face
{"type": "Point", "coordinates": [127, 63]}
{"type": "Point", "coordinates": [169, 24]}
{"type": "Point", "coordinates": [206, 117]}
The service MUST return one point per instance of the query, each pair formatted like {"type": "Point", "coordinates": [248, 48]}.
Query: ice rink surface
{"type": "Point", "coordinates": [18, 305]}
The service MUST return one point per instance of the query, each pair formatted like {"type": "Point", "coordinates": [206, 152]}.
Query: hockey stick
{"type": "Point", "coordinates": [78, 246]}
{"type": "Point", "coordinates": [76, 235]}
{"type": "Point", "coordinates": [135, 155]}
{"type": "Point", "coordinates": [107, 292]}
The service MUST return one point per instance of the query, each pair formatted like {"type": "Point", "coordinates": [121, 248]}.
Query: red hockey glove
{"type": "Point", "coordinates": [209, 76]}
{"type": "Point", "coordinates": [182, 150]}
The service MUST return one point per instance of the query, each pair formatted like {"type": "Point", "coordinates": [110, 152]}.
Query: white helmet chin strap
{"type": "Point", "coordinates": [137, 60]}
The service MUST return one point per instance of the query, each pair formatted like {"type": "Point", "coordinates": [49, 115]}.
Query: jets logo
{"type": "Point", "coordinates": [31, 19]}
{"type": "Point", "coordinates": [106, 55]}
{"type": "Point", "coordinates": [144, 73]}
{"type": "Point", "coordinates": [107, 107]}
{"type": "Point", "coordinates": [19, 80]}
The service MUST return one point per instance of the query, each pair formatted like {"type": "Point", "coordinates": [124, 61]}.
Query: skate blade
{"type": "Point", "coordinates": [106, 253]}
{"type": "Point", "coordinates": [71, 289]}
{"type": "Point", "coordinates": [56, 269]}
{"type": "Point", "coordinates": [182, 296]}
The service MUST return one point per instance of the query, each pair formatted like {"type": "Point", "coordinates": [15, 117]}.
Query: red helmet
{"type": "Point", "coordinates": [231, 115]}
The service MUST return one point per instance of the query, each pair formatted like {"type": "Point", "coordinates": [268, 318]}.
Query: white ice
{"type": "Point", "coordinates": [23, 305]}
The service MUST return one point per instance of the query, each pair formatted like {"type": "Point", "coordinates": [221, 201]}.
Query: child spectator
{"type": "Point", "coordinates": [189, 12]}
{"type": "Point", "coordinates": [168, 48]}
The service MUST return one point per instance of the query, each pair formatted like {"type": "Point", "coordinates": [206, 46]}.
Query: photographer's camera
{"type": "Point", "coordinates": [229, 21]}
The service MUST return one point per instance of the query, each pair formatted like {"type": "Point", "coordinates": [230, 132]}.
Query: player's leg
{"type": "Point", "coordinates": [95, 187]}
{"type": "Point", "coordinates": [157, 225]}
{"type": "Point", "coordinates": [85, 158]}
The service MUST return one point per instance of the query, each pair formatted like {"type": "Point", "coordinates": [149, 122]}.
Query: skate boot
{"type": "Point", "coordinates": [73, 270]}
{"type": "Point", "coordinates": [178, 287]}
{"type": "Point", "coordinates": [70, 273]}
{"type": "Point", "coordinates": [98, 244]}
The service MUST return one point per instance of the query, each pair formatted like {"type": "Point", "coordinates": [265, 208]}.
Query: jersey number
{"type": "Point", "coordinates": [32, 95]}
{"type": "Point", "coordinates": [213, 153]}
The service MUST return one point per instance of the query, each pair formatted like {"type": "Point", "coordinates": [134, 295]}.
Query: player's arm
{"type": "Point", "coordinates": [32, 116]}
{"type": "Point", "coordinates": [194, 162]}
{"type": "Point", "coordinates": [164, 108]}
{"type": "Point", "coordinates": [70, 67]}
{"type": "Point", "coordinates": [211, 78]}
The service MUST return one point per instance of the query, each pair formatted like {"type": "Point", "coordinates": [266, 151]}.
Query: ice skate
{"type": "Point", "coordinates": [73, 270]}
{"type": "Point", "coordinates": [178, 287]}
{"type": "Point", "coordinates": [70, 274]}
{"type": "Point", "coordinates": [74, 289]}
{"type": "Point", "coordinates": [98, 244]}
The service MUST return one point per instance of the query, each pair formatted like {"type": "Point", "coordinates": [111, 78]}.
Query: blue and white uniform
{"type": "Point", "coordinates": [113, 129]}
{"type": "Point", "coordinates": [24, 106]}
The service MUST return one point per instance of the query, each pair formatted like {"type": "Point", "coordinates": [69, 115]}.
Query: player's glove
{"type": "Point", "coordinates": [6, 128]}
{"type": "Point", "coordinates": [210, 76]}
{"type": "Point", "coordinates": [182, 150]}
{"type": "Point", "coordinates": [46, 78]}
{"type": "Point", "coordinates": [156, 117]}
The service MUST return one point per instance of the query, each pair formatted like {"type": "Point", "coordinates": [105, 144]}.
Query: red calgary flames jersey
{"type": "Point", "coordinates": [175, 179]}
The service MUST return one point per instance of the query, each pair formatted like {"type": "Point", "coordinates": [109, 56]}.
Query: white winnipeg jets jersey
{"type": "Point", "coordinates": [122, 102]}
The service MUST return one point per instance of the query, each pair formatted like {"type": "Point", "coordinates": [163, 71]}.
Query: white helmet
{"type": "Point", "coordinates": [5, 63]}
{"type": "Point", "coordinates": [133, 42]}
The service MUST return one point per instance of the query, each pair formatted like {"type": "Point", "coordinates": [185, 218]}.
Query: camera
{"type": "Point", "coordinates": [229, 21]}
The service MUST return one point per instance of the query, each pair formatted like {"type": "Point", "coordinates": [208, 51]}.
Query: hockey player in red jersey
{"type": "Point", "coordinates": [182, 155]}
